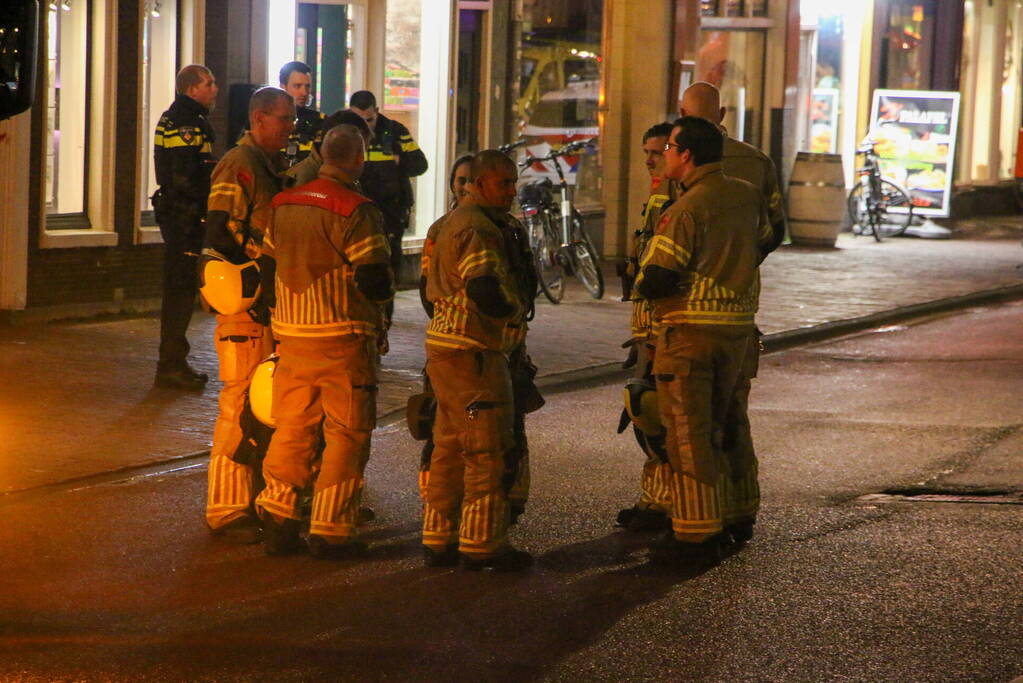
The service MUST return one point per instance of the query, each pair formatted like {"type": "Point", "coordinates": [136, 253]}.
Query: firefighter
{"type": "Point", "coordinates": [296, 79]}
{"type": "Point", "coordinates": [478, 318]}
{"type": "Point", "coordinates": [183, 155]}
{"type": "Point", "coordinates": [701, 272]}
{"type": "Point", "coordinates": [651, 512]}
{"type": "Point", "coordinates": [393, 160]}
{"type": "Point", "coordinates": [332, 277]}
{"type": "Point", "coordinates": [243, 186]}
{"type": "Point", "coordinates": [740, 160]}
{"type": "Point", "coordinates": [527, 397]}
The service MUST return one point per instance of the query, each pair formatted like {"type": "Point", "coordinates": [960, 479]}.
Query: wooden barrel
{"type": "Point", "coordinates": [816, 199]}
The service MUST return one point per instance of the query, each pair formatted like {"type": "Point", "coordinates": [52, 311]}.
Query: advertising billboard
{"type": "Point", "coordinates": [914, 132]}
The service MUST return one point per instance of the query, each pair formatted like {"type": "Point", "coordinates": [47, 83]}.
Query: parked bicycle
{"type": "Point", "coordinates": [561, 246]}
{"type": "Point", "coordinates": [877, 205]}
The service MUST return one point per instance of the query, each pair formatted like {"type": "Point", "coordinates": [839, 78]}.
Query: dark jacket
{"type": "Point", "coordinates": [183, 154]}
{"type": "Point", "coordinates": [388, 183]}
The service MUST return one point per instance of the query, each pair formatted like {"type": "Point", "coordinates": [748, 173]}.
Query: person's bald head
{"type": "Point", "coordinates": [344, 146]}
{"type": "Point", "coordinates": [493, 179]}
{"type": "Point", "coordinates": [271, 118]}
{"type": "Point", "coordinates": [703, 100]}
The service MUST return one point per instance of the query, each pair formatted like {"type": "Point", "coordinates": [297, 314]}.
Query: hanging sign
{"type": "Point", "coordinates": [914, 132]}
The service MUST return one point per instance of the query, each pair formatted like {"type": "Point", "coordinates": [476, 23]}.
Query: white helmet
{"type": "Point", "coordinates": [227, 287]}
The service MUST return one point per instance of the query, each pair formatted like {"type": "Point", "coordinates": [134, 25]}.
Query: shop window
{"type": "Point", "coordinates": [908, 45]}
{"type": "Point", "coordinates": [67, 32]}
{"type": "Point", "coordinates": [734, 62]}
{"type": "Point", "coordinates": [559, 87]}
{"type": "Point", "coordinates": [159, 67]}
{"type": "Point", "coordinates": [733, 8]}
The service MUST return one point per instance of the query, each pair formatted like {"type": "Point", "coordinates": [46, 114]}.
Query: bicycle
{"type": "Point", "coordinates": [557, 236]}
{"type": "Point", "coordinates": [877, 204]}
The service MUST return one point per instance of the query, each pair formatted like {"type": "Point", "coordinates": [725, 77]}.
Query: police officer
{"type": "Point", "coordinates": [333, 275]}
{"type": "Point", "coordinates": [477, 319]}
{"type": "Point", "coordinates": [701, 271]}
{"type": "Point", "coordinates": [394, 158]}
{"type": "Point", "coordinates": [308, 169]}
{"type": "Point", "coordinates": [296, 79]}
{"type": "Point", "coordinates": [651, 511]}
{"type": "Point", "coordinates": [243, 186]}
{"type": "Point", "coordinates": [740, 160]}
{"type": "Point", "coordinates": [183, 154]}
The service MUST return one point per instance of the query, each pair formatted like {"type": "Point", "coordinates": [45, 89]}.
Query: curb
{"type": "Point", "coordinates": [570, 379]}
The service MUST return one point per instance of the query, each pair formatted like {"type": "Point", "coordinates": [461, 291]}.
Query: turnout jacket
{"type": "Point", "coordinates": [183, 156]}
{"type": "Point", "coordinates": [746, 162]}
{"type": "Point", "coordinates": [385, 180]}
{"type": "Point", "coordinates": [243, 186]}
{"type": "Point", "coordinates": [701, 266]}
{"type": "Point", "coordinates": [641, 322]}
{"type": "Point", "coordinates": [469, 244]}
{"type": "Point", "coordinates": [320, 234]}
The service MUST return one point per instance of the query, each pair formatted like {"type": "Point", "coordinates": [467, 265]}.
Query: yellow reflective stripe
{"type": "Point", "coordinates": [364, 247]}
{"type": "Point", "coordinates": [375, 155]}
{"type": "Point", "coordinates": [476, 260]}
{"type": "Point", "coordinates": [668, 246]}
{"type": "Point", "coordinates": [170, 138]}
{"type": "Point", "coordinates": [225, 190]}
{"type": "Point", "coordinates": [409, 146]}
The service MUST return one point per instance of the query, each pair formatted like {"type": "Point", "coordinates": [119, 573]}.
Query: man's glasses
{"type": "Point", "coordinates": [669, 145]}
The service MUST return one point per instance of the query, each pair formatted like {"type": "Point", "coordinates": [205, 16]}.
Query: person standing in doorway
{"type": "Point", "coordinates": [296, 79]}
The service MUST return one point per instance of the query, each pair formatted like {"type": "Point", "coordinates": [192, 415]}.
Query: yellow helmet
{"type": "Point", "coordinates": [641, 406]}
{"type": "Point", "coordinates": [261, 391]}
{"type": "Point", "coordinates": [229, 288]}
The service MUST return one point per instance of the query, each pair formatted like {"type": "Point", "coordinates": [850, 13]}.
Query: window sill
{"type": "Point", "coordinates": [70, 239]}
{"type": "Point", "coordinates": [736, 23]}
{"type": "Point", "coordinates": [149, 235]}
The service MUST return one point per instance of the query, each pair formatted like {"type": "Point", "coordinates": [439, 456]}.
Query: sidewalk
{"type": "Point", "coordinates": [77, 398]}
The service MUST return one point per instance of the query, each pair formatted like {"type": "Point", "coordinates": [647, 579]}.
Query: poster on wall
{"type": "Point", "coordinates": [824, 121]}
{"type": "Point", "coordinates": [914, 132]}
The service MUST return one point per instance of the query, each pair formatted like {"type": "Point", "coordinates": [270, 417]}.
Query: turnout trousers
{"type": "Point", "coordinates": [697, 368]}
{"type": "Point", "coordinates": [655, 480]}
{"type": "Point", "coordinates": [241, 344]}
{"type": "Point", "coordinates": [466, 502]}
{"type": "Point", "coordinates": [742, 488]}
{"type": "Point", "coordinates": [331, 380]}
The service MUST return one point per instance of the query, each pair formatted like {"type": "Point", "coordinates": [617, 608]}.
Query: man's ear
{"type": "Point", "coordinates": [721, 114]}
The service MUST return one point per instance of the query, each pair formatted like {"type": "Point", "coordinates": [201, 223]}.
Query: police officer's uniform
{"type": "Point", "coordinates": [701, 271]}
{"type": "Point", "coordinates": [183, 155]}
{"type": "Point", "coordinates": [392, 159]}
{"type": "Point", "coordinates": [307, 131]}
{"type": "Point", "coordinates": [243, 186]}
{"type": "Point", "coordinates": [466, 502]}
{"type": "Point", "coordinates": [327, 317]}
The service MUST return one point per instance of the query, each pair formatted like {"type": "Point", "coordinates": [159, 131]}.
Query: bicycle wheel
{"type": "Point", "coordinates": [887, 216]}
{"type": "Point", "coordinates": [584, 256]}
{"type": "Point", "coordinates": [545, 254]}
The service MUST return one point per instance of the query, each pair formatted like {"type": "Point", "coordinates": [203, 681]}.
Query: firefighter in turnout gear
{"type": "Point", "coordinates": [651, 512]}
{"type": "Point", "coordinates": [392, 161]}
{"type": "Point", "coordinates": [183, 156]}
{"type": "Point", "coordinates": [701, 272]}
{"type": "Point", "coordinates": [743, 161]}
{"type": "Point", "coordinates": [478, 318]}
{"type": "Point", "coordinates": [295, 78]}
{"type": "Point", "coordinates": [243, 186]}
{"type": "Point", "coordinates": [333, 276]}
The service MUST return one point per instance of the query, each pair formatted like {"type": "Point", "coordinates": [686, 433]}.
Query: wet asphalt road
{"type": "Point", "coordinates": [117, 580]}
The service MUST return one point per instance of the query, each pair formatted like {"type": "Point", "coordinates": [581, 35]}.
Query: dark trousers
{"type": "Point", "coordinates": [180, 285]}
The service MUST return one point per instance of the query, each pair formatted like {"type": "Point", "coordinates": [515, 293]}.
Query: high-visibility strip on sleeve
{"type": "Point", "coordinates": [376, 155]}
{"type": "Point", "coordinates": [365, 247]}
{"type": "Point", "coordinates": [476, 261]}
{"type": "Point", "coordinates": [665, 245]}
{"type": "Point", "coordinates": [408, 145]}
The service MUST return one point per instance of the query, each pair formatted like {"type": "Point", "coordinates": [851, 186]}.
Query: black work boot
{"type": "Point", "coordinates": [322, 549]}
{"type": "Point", "coordinates": [180, 377]}
{"type": "Point", "coordinates": [511, 560]}
{"type": "Point", "coordinates": [443, 558]}
{"type": "Point", "coordinates": [669, 550]}
{"type": "Point", "coordinates": [242, 531]}
{"type": "Point", "coordinates": [281, 538]}
{"type": "Point", "coordinates": [741, 532]}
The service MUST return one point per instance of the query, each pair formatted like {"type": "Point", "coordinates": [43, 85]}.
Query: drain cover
{"type": "Point", "coordinates": [937, 495]}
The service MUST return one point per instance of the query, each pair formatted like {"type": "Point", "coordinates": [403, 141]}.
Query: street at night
{"type": "Point", "coordinates": [115, 577]}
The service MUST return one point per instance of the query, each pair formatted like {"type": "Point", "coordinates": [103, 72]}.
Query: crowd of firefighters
{"type": "Point", "coordinates": [296, 238]}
